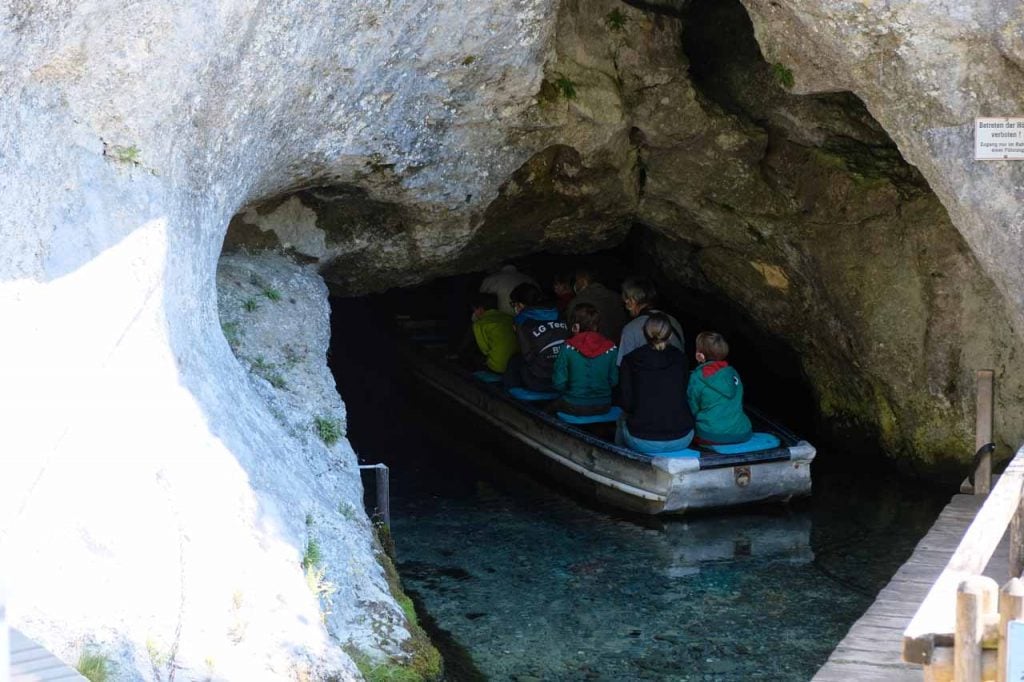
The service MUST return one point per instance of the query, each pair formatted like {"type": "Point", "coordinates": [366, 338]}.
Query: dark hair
{"type": "Point", "coordinates": [562, 278]}
{"type": "Point", "coordinates": [586, 272]}
{"type": "Point", "coordinates": [527, 294]}
{"type": "Point", "coordinates": [640, 290]}
{"type": "Point", "coordinates": [485, 301]}
{"type": "Point", "coordinates": [658, 330]}
{"type": "Point", "coordinates": [586, 316]}
{"type": "Point", "coordinates": [712, 345]}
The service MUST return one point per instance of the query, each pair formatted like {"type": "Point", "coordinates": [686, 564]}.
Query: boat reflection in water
{"type": "Point", "coordinates": [695, 543]}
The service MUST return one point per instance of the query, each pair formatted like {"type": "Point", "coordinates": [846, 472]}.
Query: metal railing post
{"type": "Point", "coordinates": [382, 477]}
{"type": "Point", "coordinates": [983, 433]}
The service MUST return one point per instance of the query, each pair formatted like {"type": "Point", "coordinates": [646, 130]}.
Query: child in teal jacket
{"type": "Point", "coordinates": [715, 394]}
{"type": "Point", "coordinates": [585, 370]}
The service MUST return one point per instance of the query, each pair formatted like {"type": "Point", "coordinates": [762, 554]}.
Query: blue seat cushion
{"type": "Point", "coordinates": [676, 454]}
{"type": "Point", "coordinates": [759, 441]}
{"type": "Point", "coordinates": [527, 394]}
{"type": "Point", "coordinates": [610, 416]}
{"type": "Point", "coordinates": [487, 377]}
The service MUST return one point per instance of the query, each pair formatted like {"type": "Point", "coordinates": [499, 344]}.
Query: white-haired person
{"type": "Point", "coordinates": [640, 298]}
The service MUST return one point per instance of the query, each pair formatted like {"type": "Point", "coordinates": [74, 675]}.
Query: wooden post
{"type": "Point", "coordinates": [972, 597]}
{"type": "Point", "coordinates": [1011, 607]}
{"type": "Point", "coordinates": [983, 432]}
{"type": "Point", "coordinates": [941, 668]}
{"type": "Point", "coordinates": [1017, 540]}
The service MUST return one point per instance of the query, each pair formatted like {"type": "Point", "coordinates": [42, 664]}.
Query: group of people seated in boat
{"type": "Point", "coordinates": [588, 339]}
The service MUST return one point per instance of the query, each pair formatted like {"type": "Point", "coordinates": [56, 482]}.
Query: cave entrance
{"type": "Point", "coordinates": [773, 378]}
{"type": "Point", "coordinates": [494, 553]}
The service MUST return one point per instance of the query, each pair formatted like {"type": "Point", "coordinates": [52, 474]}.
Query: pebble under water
{"type": "Point", "coordinates": [526, 582]}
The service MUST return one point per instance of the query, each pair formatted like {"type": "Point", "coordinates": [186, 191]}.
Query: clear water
{"type": "Point", "coordinates": [527, 583]}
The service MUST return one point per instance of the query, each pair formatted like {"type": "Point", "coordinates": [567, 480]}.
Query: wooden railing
{"type": "Point", "coordinates": [960, 631]}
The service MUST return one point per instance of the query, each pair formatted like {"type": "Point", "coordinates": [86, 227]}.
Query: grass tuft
{"type": "Point", "coordinates": [125, 155]}
{"type": "Point", "coordinates": [312, 556]}
{"type": "Point", "coordinates": [566, 87]}
{"type": "Point", "coordinates": [232, 333]}
{"type": "Point", "coordinates": [783, 75]}
{"type": "Point", "coordinates": [272, 294]}
{"type": "Point", "coordinates": [329, 430]}
{"type": "Point", "coordinates": [468, 59]}
{"type": "Point", "coordinates": [616, 20]}
{"type": "Point", "coordinates": [250, 305]}
{"type": "Point", "coordinates": [347, 511]}
{"type": "Point", "coordinates": [93, 667]}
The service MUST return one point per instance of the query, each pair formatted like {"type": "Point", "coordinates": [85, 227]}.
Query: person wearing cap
{"type": "Point", "coordinates": [501, 284]}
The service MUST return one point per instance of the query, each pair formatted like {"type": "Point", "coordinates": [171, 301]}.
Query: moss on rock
{"type": "Point", "coordinates": [421, 661]}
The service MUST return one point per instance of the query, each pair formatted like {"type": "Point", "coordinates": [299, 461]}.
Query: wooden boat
{"type": "Point", "coordinates": [638, 482]}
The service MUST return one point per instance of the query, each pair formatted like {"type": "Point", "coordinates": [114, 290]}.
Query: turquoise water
{"type": "Point", "coordinates": [529, 583]}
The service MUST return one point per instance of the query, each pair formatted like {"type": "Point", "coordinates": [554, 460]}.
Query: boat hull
{"type": "Point", "coordinates": [620, 477]}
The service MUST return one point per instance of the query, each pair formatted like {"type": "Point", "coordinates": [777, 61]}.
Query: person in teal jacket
{"type": "Point", "coordinates": [493, 331]}
{"type": "Point", "coordinates": [585, 370]}
{"type": "Point", "coordinates": [715, 394]}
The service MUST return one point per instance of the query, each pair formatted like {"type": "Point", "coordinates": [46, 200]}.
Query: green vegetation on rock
{"type": "Point", "coordinates": [127, 155]}
{"type": "Point", "coordinates": [94, 667]}
{"type": "Point", "coordinates": [422, 661]}
{"type": "Point", "coordinates": [312, 555]}
{"type": "Point", "coordinates": [566, 87]}
{"type": "Point", "coordinates": [616, 20]}
{"type": "Point", "coordinates": [232, 333]}
{"type": "Point", "coordinates": [783, 75]}
{"type": "Point", "coordinates": [329, 430]}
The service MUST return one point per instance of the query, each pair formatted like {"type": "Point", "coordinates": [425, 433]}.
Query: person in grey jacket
{"type": "Point", "coordinates": [608, 304]}
{"type": "Point", "coordinates": [639, 296]}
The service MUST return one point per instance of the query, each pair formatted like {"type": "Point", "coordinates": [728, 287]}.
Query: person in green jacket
{"type": "Point", "coordinates": [715, 394]}
{"type": "Point", "coordinates": [585, 370]}
{"type": "Point", "coordinates": [493, 331]}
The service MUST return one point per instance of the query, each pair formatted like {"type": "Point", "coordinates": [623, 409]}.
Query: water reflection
{"type": "Point", "coordinates": [547, 589]}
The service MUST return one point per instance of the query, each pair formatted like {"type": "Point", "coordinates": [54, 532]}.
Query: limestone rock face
{"type": "Point", "coordinates": [796, 206]}
{"type": "Point", "coordinates": [146, 476]}
{"type": "Point", "coordinates": [925, 70]}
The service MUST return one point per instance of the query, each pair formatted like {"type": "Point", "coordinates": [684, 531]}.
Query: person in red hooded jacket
{"type": "Point", "coordinates": [585, 370]}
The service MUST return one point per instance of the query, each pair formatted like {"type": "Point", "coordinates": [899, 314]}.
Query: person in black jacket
{"type": "Point", "coordinates": [653, 382]}
{"type": "Point", "coordinates": [541, 334]}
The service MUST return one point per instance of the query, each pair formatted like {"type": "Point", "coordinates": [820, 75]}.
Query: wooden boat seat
{"type": "Point", "coordinates": [759, 441]}
{"type": "Point", "coordinates": [532, 396]}
{"type": "Point", "coordinates": [611, 416]}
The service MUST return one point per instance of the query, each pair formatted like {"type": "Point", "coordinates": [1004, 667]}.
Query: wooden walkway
{"type": "Point", "coordinates": [871, 649]}
{"type": "Point", "coordinates": [32, 663]}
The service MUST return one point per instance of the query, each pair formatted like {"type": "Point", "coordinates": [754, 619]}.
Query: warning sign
{"type": "Point", "coordinates": [999, 139]}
